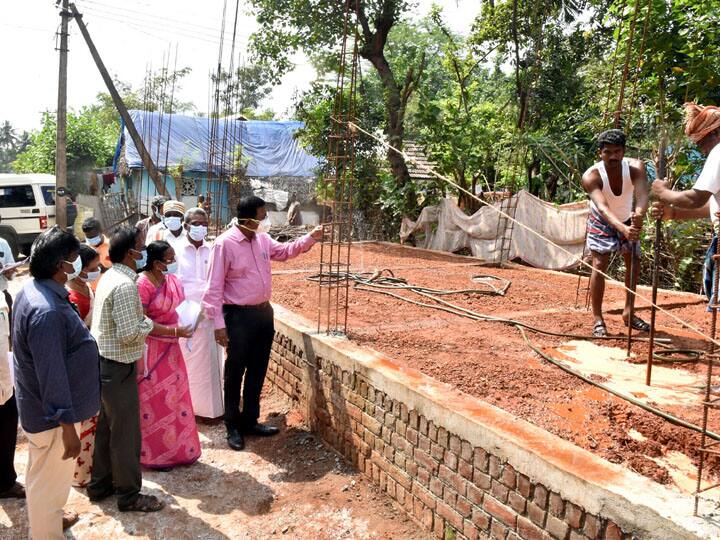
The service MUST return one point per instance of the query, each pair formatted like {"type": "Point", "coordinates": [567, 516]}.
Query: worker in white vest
{"type": "Point", "coordinates": [618, 193]}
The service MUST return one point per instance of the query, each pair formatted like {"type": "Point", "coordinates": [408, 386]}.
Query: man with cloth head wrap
{"type": "Point", "coordinates": [702, 126]}
{"type": "Point", "coordinates": [170, 229]}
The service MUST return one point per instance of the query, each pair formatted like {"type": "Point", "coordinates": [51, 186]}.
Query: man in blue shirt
{"type": "Point", "coordinates": [57, 378]}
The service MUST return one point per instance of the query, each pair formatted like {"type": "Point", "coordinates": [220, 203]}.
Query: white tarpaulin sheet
{"type": "Point", "coordinates": [447, 228]}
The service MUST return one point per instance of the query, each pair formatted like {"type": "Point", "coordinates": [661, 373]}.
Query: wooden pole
{"type": "Point", "coordinates": [117, 100]}
{"type": "Point", "coordinates": [61, 121]}
{"type": "Point", "coordinates": [661, 173]}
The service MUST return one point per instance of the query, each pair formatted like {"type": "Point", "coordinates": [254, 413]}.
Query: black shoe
{"type": "Point", "coordinates": [97, 497]}
{"type": "Point", "coordinates": [262, 430]}
{"type": "Point", "coordinates": [235, 439]}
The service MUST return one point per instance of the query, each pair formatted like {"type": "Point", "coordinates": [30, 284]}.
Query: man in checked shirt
{"type": "Point", "coordinates": [120, 328]}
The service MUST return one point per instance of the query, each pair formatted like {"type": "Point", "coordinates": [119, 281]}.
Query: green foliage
{"type": "Point", "coordinates": [11, 144]}
{"type": "Point", "coordinates": [90, 143]}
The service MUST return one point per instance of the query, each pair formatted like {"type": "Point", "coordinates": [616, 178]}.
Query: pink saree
{"type": "Point", "coordinates": [167, 420]}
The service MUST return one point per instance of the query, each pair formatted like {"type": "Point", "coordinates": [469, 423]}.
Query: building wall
{"type": "Point", "coordinates": [460, 467]}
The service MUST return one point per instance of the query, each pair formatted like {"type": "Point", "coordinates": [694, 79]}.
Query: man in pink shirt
{"type": "Point", "coordinates": [237, 300]}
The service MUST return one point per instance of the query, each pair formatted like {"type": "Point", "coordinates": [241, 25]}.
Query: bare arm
{"type": "Point", "coordinates": [690, 198]}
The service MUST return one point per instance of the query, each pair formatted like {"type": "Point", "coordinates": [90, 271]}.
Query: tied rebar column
{"type": "Point", "coordinates": [336, 188]}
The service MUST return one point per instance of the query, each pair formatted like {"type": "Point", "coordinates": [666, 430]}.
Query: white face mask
{"type": "Point", "coordinates": [94, 241]}
{"type": "Point", "coordinates": [264, 225]}
{"type": "Point", "coordinates": [171, 268]}
{"type": "Point", "coordinates": [91, 276]}
{"type": "Point", "coordinates": [173, 223]}
{"type": "Point", "coordinates": [77, 268]}
{"type": "Point", "coordinates": [197, 232]}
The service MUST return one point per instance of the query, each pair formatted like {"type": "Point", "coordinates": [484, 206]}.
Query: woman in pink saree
{"type": "Point", "coordinates": [167, 421]}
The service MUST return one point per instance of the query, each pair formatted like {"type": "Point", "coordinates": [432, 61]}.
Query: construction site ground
{"type": "Point", "coordinates": [288, 486]}
{"type": "Point", "coordinates": [492, 361]}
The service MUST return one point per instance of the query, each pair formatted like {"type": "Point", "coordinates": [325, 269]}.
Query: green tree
{"type": "Point", "coordinates": [10, 145]}
{"type": "Point", "coordinates": [312, 25]}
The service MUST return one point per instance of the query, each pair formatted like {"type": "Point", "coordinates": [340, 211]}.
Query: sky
{"type": "Point", "coordinates": [131, 36]}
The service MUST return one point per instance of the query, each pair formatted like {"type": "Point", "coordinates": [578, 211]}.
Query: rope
{"type": "Point", "coordinates": [535, 233]}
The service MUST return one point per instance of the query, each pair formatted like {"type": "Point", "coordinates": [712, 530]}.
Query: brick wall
{"type": "Point", "coordinates": [446, 483]}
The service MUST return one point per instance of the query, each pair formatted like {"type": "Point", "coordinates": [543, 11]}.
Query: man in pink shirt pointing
{"type": "Point", "coordinates": [237, 299]}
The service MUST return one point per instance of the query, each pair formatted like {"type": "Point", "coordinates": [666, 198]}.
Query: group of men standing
{"type": "Point", "coordinates": [65, 372]}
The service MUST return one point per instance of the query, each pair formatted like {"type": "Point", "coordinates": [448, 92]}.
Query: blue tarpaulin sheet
{"type": "Point", "coordinates": [268, 148]}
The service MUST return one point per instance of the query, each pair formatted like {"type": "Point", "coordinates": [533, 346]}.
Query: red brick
{"type": "Point", "coordinates": [463, 507]}
{"type": "Point", "coordinates": [425, 460]}
{"type": "Point", "coordinates": [474, 494]}
{"type": "Point", "coordinates": [437, 451]}
{"type": "Point", "coordinates": [450, 459]}
{"type": "Point", "coordinates": [613, 532]}
{"type": "Point", "coordinates": [524, 486]}
{"type": "Point", "coordinates": [413, 419]}
{"type": "Point", "coordinates": [536, 514]}
{"type": "Point", "coordinates": [513, 536]}
{"type": "Point", "coordinates": [557, 528]}
{"type": "Point", "coordinates": [481, 519]}
{"type": "Point", "coordinates": [577, 536]}
{"type": "Point", "coordinates": [498, 531]}
{"type": "Point", "coordinates": [541, 496]}
{"type": "Point", "coordinates": [432, 431]}
{"type": "Point", "coordinates": [400, 494]}
{"type": "Point", "coordinates": [452, 517]}
{"type": "Point", "coordinates": [465, 469]}
{"type": "Point", "coordinates": [481, 480]}
{"type": "Point", "coordinates": [529, 531]}
{"type": "Point", "coordinates": [412, 436]}
{"type": "Point", "coordinates": [480, 460]}
{"type": "Point", "coordinates": [466, 451]}
{"type": "Point", "coordinates": [499, 491]}
{"type": "Point", "coordinates": [423, 476]}
{"type": "Point", "coordinates": [427, 518]}
{"type": "Point", "coordinates": [436, 486]}
{"type": "Point", "coordinates": [438, 526]}
{"type": "Point", "coordinates": [495, 467]}
{"type": "Point", "coordinates": [557, 505]}
{"type": "Point", "coordinates": [372, 424]}
{"type": "Point", "coordinates": [450, 497]}
{"type": "Point", "coordinates": [516, 502]}
{"type": "Point", "coordinates": [457, 482]}
{"type": "Point", "coordinates": [400, 443]}
{"type": "Point", "coordinates": [455, 444]}
{"type": "Point", "coordinates": [443, 437]}
{"type": "Point", "coordinates": [509, 477]}
{"type": "Point", "coordinates": [592, 528]}
{"type": "Point", "coordinates": [424, 444]}
{"type": "Point", "coordinates": [422, 425]}
{"type": "Point", "coordinates": [424, 495]}
{"type": "Point", "coordinates": [497, 509]}
{"type": "Point", "coordinates": [470, 531]}
{"type": "Point", "coordinates": [573, 515]}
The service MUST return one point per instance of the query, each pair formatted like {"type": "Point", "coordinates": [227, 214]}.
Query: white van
{"type": "Point", "coordinates": [27, 208]}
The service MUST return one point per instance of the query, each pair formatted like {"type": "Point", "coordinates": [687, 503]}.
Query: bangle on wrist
{"type": "Point", "coordinates": [175, 331]}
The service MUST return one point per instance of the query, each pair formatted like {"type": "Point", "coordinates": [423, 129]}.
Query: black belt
{"type": "Point", "coordinates": [262, 305]}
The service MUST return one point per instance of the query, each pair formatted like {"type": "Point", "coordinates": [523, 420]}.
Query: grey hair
{"type": "Point", "coordinates": [192, 211]}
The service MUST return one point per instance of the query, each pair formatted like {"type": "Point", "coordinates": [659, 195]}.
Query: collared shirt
{"type": "Point", "coordinates": [193, 266]}
{"type": "Point", "coordinates": [6, 257]}
{"type": "Point", "coordinates": [57, 372]}
{"type": "Point", "coordinates": [118, 322]}
{"type": "Point", "coordinates": [160, 232]}
{"type": "Point", "coordinates": [240, 272]}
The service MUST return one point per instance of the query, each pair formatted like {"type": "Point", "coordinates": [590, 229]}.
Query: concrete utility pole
{"type": "Point", "coordinates": [119, 105]}
{"type": "Point", "coordinates": [61, 140]}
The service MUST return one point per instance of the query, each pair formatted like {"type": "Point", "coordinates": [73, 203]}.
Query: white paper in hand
{"type": "Point", "coordinates": [189, 313]}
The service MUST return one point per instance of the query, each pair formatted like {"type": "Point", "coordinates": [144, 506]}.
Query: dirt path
{"type": "Point", "coordinates": [289, 486]}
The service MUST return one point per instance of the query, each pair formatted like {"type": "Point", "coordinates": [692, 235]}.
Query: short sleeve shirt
{"type": "Point", "coordinates": [709, 179]}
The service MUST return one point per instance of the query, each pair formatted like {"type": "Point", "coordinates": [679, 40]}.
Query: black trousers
{"type": "Point", "coordinates": [116, 458]}
{"type": "Point", "coordinates": [250, 331]}
{"type": "Point", "coordinates": [8, 440]}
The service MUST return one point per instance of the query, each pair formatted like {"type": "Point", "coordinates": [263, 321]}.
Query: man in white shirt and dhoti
{"type": "Point", "coordinates": [203, 356]}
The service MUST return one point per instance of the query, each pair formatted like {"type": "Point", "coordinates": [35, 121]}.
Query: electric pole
{"type": "Point", "coordinates": [61, 141]}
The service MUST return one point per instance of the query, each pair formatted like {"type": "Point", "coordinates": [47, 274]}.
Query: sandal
{"type": "Point", "coordinates": [599, 329]}
{"type": "Point", "coordinates": [16, 491]}
{"type": "Point", "coordinates": [144, 503]}
{"type": "Point", "coordinates": [639, 325]}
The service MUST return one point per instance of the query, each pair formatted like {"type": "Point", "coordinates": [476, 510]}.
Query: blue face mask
{"type": "Point", "coordinates": [173, 223]}
{"type": "Point", "coordinates": [170, 268]}
{"type": "Point", "coordinates": [140, 263]}
{"type": "Point", "coordinates": [94, 241]}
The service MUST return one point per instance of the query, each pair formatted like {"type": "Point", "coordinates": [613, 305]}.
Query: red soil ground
{"type": "Point", "coordinates": [491, 361]}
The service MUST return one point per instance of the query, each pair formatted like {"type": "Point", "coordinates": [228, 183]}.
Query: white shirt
{"type": "Point", "coordinates": [621, 205]}
{"type": "Point", "coordinates": [709, 180]}
{"type": "Point", "coordinates": [6, 257]}
{"type": "Point", "coordinates": [160, 232]}
{"type": "Point", "coordinates": [193, 266]}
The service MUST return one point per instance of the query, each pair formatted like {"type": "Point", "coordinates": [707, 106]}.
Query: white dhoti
{"type": "Point", "coordinates": [204, 360]}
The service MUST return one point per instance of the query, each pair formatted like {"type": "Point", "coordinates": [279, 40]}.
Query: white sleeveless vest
{"type": "Point", "coordinates": [621, 206]}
